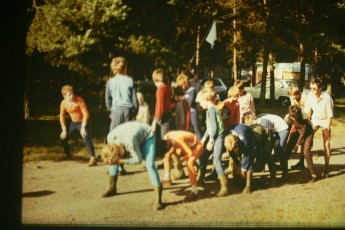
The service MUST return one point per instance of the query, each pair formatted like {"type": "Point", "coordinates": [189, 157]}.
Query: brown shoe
{"type": "Point", "coordinates": [92, 161]}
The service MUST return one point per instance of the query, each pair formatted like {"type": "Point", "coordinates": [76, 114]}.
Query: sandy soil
{"type": "Point", "coordinates": [69, 193]}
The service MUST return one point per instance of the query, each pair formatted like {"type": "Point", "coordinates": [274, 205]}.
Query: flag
{"type": "Point", "coordinates": [212, 35]}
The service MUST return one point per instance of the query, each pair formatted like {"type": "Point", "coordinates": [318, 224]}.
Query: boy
{"type": "Point", "coordinates": [214, 135]}
{"type": "Point", "coordinates": [184, 144]}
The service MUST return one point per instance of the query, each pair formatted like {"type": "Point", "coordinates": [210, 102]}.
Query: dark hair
{"type": "Point", "coordinates": [318, 82]}
{"type": "Point", "coordinates": [178, 91]}
{"type": "Point", "coordinates": [296, 112]}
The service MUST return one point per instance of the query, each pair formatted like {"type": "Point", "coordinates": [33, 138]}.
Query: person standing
{"type": "Point", "coordinates": [161, 123]}
{"type": "Point", "coordinates": [319, 109]}
{"type": "Point", "coordinates": [246, 101]}
{"type": "Point", "coordinates": [76, 107]}
{"type": "Point", "coordinates": [143, 111]}
{"type": "Point", "coordinates": [190, 95]}
{"type": "Point", "coordinates": [120, 95]}
{"type": "Point", "coordinates": [195, 82]}
{"type": "Point", "coordinates": [214, 135]}
{"type": "Point", "coordinates": [297, 98]}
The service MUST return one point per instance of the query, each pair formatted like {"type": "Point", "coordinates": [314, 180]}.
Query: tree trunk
{"type": "Point", "coordinates": [26, 106]}
{"type": "Point", "coordinates": [234, 62]}
{"type": "Point", "coordinates": [272, 85]}
{"type": "Point", "coordinates": [302, 66]}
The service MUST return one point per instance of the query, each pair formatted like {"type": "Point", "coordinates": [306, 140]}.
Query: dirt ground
{"type": "Point", "coordinates": [68, 193]}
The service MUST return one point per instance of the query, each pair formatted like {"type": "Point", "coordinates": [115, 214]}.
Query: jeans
{"type": "Point", "coordinates": [195, 123]}
{"type": "Point", "coordinates": [148, 150]}
{"type": "Point", "coordinates": [120, 115]}
{"type": "Point", "coordinates": [76, 126]}
{"type": "Point", "coordinates": [217, 155]}
{"type": "Point", "coordinates": [283, 135]}
{"type": "Point", "coordinates": [161, 130]}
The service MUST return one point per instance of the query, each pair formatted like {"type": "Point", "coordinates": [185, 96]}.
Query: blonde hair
{"type": "Point", "coordinates": [182, 79]}
{"type": "Point", "coordinates": [118, 65]}
{"type": "Point", "coordinates": [158, 75]}
{"type": "Point", "coordinates": [111, 151]}
{"type": "Point", "coordinates": [233, 92]}
{"type": "Point", "coordinates": [209, 84]}
{"type": "Point", "coordinates": [65, 89]}
{"type": "Point", "coordinates": [239, 84]}
{"type": "Point", "coordinates": [250, 119]}
{"type": "Point", "coordinates": [230, 142]}
{"type": "Point", "coordinates": [205, 94]}
{"type": "Point", "coordinates": [293, 90]}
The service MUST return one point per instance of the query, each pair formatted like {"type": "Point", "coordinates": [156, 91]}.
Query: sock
{"type": "Point", "coordinates": [195, 189]}
{"type": "Point", "coordinates": [166, 176]}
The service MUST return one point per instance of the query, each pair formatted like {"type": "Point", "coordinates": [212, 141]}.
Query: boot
{"type": "Point", "coordinates": [111, 187]}
{"type": "Point", "coordinates": [273, 173]}
{"type": "Point", "coordinates": [224, 186]}
{"type": "Point", "coordinates": [157, 204]}
{"type": "Point", "coordinates": [213, 176]}
{"type": "Point", "coordinates": [299, 165]}
{"type": "Point", "coordinates": [230, 168]}
{"type": "Point", "coordinates": [247, 189]}
{"type": "Point", "coordinates": [284, 165]}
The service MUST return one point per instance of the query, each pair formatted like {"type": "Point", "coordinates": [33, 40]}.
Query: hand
{"type": "Point", "coordinates": [295, 149]}
{"type": "Point", "coordinates": [209, 146]}
{"type": "Point", "coordinates": [63, 134]}
{"type": "Point", "coordinates": [203, 141]}
{"type": "Point", "coordinates": [83, 132]}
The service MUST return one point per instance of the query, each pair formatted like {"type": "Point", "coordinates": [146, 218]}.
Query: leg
{"type": "Point", "coordinates": [166, 181]}
{"type": "Point", "coordinates": [217, 155]}
{"type": "Point", "coordinates": [148, 150]}
{"type": "Point", "coordinates": [326, 135]}
{"type": "Point", "coordinates": [112, 180]}
{"type": "Point", "coordinates": [73, 127]}
{"type": "Point", "coordinates": [309, 157]}
{"type": "Point", "coordinates": [195, 123]}
{"type": "Point", "coordinates": [89, 145]}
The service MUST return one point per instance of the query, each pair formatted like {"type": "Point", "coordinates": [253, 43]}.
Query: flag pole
{"type": "Point", "coordinates": [197, 51]}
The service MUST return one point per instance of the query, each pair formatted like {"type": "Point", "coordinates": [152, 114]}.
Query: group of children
{"type": "Point", "coordinates": [231, 126]}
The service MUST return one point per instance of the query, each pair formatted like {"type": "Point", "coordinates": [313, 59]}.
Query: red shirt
{"type": "Point", "coordinates": [234, 109]}
{"type": "Point", "coordinates": [163, 97]}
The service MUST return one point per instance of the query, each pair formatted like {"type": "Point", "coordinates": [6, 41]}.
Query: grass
{"type": "Point", "coordinates": [42, 131]}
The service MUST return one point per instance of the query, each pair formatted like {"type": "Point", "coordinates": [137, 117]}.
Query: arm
{"type": "Point", "coordinates": [212, 117]}
{"type": "Point", "coordinates": [251, 104]}
{"type": "Point", "coordinates": [84, 111]}
{"type": "Point", "coordinates": [133, 147]}
{"type": "Point", "coordinates": [63, 115]}
{"type": "Point", "coordinates": [135, 101]}
{"type": "Point", "coordinates": [108, 98]}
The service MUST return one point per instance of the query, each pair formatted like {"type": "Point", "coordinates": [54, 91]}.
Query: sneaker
{"type": "Point", "coordinates": [191, 197]}
{"type": "Point", "coordinates": [298, 166]}
{"type": "Point", "coordinates": [92, 162]}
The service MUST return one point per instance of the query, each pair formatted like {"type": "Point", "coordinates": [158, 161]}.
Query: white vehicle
{"type": "Point", "coordinates": [219, 86]}
{"type": "Point", "coordinates": [292, 71]}
{"type": "Point", "coordinates": [280, 90]}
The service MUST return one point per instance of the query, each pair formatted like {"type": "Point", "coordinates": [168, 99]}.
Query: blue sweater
{"type": "Point", "coordinates": [120, 92]}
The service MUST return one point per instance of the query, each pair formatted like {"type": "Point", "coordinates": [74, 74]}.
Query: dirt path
{"type": "Point", "coordinates": [68, 193]}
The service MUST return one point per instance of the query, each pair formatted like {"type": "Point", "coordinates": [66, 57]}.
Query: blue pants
{"type": "Point", "coordinates": [148, 150]}
{"type": "Point", "coordinates": [195, 123]}
{"type": "Point", "coordinates": [74, 127]}
{"type": "Point", "coordinates": [283, 135]}
{"type": "Point", "coordinates": [217, 155]}
{"type": "Point", "coordinates": [120, 115]}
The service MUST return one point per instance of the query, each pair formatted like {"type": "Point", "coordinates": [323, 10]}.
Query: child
{"type": "Point", "coordinates": [75, 106]}
{"type": "Point", "coordinates": [305, 139]}
{"type": "Point", "coordinates": [233, 106]}
{"type": "Point", "coordinates": [245, 100]}
{"type": "Point", "coordinates": [143, 111]}
{"type": "Point", "coordinates": [240, 141]}
{"type": "Point", "coordinates": [138, 139]}
{"type": "Point", "coordinates": [182, 110]}
{"type": "Point", "coordinates": [299, 99]}
{"type": "Point", "coordinates": [214, 135]}
{"type": "Point", "coordinates": [184, 144]}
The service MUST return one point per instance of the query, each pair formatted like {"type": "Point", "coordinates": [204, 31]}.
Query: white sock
{"type": "Point", "coordinates": [195, 189]}
{"type": "Point", "coordinates": [167, 176]}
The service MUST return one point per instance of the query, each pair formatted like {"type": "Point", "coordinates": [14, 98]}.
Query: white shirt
{"type": "Point", "coordinates": [278, 123]}
{"type": "Point", "coordinates": [321, 108]}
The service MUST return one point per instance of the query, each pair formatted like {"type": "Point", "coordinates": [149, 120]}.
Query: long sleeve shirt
{"type": "Point", "coordinates": [214, 123]}
{"type": "Point", "coordinates": [182, 115]}
{"type": "Point", "coordinates": [184, 140]}
{"type": "Point", "coordinates": [247, 141]}
{"type": "Point", "coordinates": [120, 92]}
{"type": "Point", "coordinates": [78, 112]}
{"type": "Point", "coordinates": [163, 97]}
{"type": "Point", "coordinates": [131, 135]}
{"type": "Point", "coordinates": [190, 97]}
{"type": "Point", "coordinates": [234, 118]}
{"type": "Point", "coordinates": [303, 127]}
{"type": "Point", "coordinates": [247, 105]}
